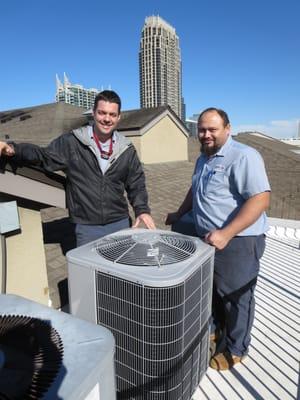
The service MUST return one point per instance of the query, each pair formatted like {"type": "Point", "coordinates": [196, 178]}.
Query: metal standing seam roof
{"type": "Point", "coordinates": [271, 370]}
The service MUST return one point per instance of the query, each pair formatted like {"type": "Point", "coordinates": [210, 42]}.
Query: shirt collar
{"type": "Point", "coordinates": [223, 150]}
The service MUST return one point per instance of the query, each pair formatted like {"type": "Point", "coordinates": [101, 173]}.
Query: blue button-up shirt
{"type": "Point", "coordinates": [223, 182]}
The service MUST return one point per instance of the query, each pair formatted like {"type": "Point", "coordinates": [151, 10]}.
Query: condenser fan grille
{"type": "Point", "coordinates": [31, 355]}
{"type": "Point", "coordinates": [146, 249]}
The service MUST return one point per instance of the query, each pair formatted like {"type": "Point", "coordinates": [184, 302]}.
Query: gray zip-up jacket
{"type": "Point", "coordinates": [92, 197]}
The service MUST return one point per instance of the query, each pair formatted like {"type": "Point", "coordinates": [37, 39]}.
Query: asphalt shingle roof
{"type": "Point", "coordinates": [137, 119]}
{"type": "Point", "coordinates": [40, 124]}
{"type": "Point", "coordinates": [283, 168]}
{"type": "Point", "coordinates": [262, 142]}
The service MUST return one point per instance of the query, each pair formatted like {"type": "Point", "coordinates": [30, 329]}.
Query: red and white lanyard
{"type": "Point", "coordinates": [104, 154]}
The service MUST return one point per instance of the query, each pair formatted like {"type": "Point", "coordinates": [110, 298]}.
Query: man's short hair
{"type": "Point", "coordinates": [221, 113]}
{"type": "Point", "coordinates": [108, 95]}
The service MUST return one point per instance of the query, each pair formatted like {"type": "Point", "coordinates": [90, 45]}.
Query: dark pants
{"type": "Point", "coordinates": [235, 276]}
{"type": "Point", "coordinates": [88, 233]}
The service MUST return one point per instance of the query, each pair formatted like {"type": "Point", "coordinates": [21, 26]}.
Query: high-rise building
{"type": "Point", "coordinates": [160, 66]}
{"type": "Point", "coordinates": [76, 95]}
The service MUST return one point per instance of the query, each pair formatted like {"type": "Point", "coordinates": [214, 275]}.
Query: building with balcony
{"type": "Point", "coordinates": [76, 95]}
{"type": "Point", "coordinates": [160, 66]}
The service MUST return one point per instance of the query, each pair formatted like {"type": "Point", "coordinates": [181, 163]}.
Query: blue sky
{"type": "Point", "coordinates": [238, 55]}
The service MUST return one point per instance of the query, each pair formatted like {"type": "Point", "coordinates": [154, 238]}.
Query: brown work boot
{"type": "Point", "coordinates": [214, 340]}
{"type": "Point", "coordinates": [214, 337]}
{"type": "Point", "coordinates": [224, 361]}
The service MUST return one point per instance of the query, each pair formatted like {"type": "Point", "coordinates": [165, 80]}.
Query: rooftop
{"type": "Point", "coordinates": [40, 124]}
{"type": "Point", "coordinates": [271, 371]}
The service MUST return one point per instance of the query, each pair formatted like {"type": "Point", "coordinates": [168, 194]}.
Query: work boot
{"type": "Point", "coordinates": [214, 340]}
{"type": "Point", "coordinates": [224, 361]}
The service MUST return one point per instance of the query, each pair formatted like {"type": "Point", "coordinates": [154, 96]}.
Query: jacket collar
{"type": "Point", "coordinates": [121, 143]}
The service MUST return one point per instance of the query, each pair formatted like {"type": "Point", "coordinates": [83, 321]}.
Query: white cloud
{"type": "Point", "coordinates": [279, 129]}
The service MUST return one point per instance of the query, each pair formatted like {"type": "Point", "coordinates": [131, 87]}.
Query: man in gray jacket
{"type": "Point", "coordinates": [100, 165]}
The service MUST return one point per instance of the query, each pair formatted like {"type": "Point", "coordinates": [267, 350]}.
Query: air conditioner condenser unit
{"type": "Point", "coordinates": [153, 290]}
{"type": "Point", "coordinates": [46, 354]}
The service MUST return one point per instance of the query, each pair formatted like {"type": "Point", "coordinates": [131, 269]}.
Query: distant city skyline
{"type": "Point", "coordinates": [243, 57]}
{"type": "Point", "coordinates": [74, 94]}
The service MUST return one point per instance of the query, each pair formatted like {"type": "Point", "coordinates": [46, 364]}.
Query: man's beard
{"type": "Point", "coordinates": [209, 150]}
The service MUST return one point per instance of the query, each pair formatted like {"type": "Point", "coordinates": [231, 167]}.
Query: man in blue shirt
{"type": "Point", "coordinates": [229, 195]}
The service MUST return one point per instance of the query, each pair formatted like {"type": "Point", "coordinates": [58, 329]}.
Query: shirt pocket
{"type": "Point", "coordinates": [214, 182]}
